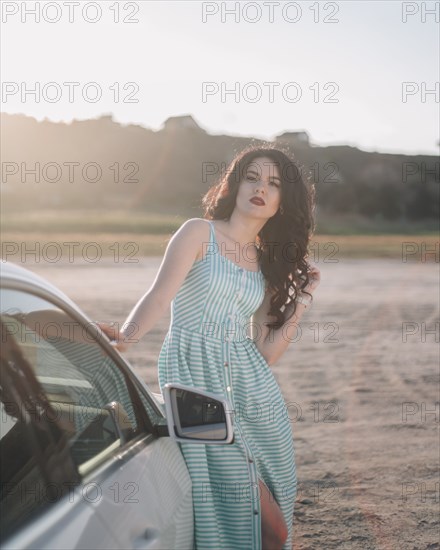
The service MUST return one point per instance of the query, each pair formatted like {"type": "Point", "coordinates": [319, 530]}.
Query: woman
{"type": "Point", "coordinates": [241, 268]}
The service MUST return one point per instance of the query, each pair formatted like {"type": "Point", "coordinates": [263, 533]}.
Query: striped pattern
{"type": "Point", "coordinates": [87, 376]}
{"type": "Point", "coordinates": [207, 346]}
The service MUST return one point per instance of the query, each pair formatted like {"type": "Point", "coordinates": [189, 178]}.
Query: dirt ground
{"type": "Point", "coordinates": [362, 387]}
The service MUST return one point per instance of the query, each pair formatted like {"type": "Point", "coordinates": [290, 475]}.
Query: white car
{"type": "Point", "coordinates": [89, 459]}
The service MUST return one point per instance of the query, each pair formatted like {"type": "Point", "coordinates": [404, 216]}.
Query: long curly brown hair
{"type": "Point", "coordinates": [284, 239]}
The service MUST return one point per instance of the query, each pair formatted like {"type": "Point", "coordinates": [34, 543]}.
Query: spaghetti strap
{"type": "Point", "coordinates": [212, 237]}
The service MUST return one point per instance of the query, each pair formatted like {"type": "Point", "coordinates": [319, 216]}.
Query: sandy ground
{"type": "Point", "coordinates": [360, 398]}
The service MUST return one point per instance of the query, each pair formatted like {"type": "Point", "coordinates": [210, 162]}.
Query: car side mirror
{"type": "Point", "coordinates": [197, 415]}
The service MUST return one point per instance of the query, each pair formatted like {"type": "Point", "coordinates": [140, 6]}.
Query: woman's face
{"type": "Point", "coordinates": [259, 193]}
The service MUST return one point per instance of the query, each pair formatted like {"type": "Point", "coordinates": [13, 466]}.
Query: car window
{"type": "Point", "coordinates": [23, 483]}
{"type": "Point", "coordinates": [91, 398]}
{"type": "Point", "coordinates": [35, 463]}
{"type": "Point", "coordinates": [17, 457]}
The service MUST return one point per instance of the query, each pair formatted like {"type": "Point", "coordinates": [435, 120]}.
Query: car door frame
{"type": "Point", "coordinates": [150, 431]}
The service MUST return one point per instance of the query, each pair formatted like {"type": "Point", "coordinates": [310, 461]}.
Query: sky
{"type": "Point", "coordinates": [347, 72]}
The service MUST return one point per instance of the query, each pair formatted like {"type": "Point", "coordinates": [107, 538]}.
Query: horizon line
{"type": "Point", "coordinates": [311, 144]}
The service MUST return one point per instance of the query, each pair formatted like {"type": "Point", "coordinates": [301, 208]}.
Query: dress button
{"type": "Point", "coordinates": [250, 460]}
{"type": "Point", "coordinates": [228, 388]}
{"type": "Point", "coordinates": [256, 512]}
{"type": "Point", "coordinates": [226, 364]}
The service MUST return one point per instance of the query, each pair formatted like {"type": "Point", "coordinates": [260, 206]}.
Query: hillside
{"type": "Point", "coordinates": [102, 164]}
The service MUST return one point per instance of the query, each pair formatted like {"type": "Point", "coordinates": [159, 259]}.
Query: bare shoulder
{"type": "Point", "coordinates": [181, 253]}
{"type": "Point", "coordinates": [195, 224]}
{"type": "Point", "coordinates": [195, 231]}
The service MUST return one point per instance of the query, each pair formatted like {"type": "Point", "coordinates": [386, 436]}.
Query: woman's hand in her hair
{"type": "Point", "coordinates": [116, 337]}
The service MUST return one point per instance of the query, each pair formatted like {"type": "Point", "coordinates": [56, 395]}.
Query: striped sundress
{"type": "Point", "coordinates": [207, 346]}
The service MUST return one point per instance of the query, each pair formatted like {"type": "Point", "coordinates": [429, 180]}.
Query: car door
{"type": "Point", "coordinates": [105, 480]}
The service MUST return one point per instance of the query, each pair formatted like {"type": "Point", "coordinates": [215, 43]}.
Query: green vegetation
{"type": "Point", "coordinates": [346, 224]}
{"type": "Point", "coordinates": [90, 222]}
{"type": "Point", "coordinates": [137, 223]}
{"type": "Point", "coordinates": [133, 234]}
